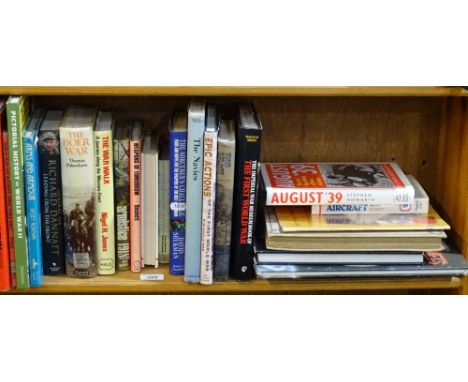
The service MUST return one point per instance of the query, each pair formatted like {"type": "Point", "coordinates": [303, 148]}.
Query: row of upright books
{"type": "Point", "coordinates": [349, 220]}
{"type": "Point", "coordinates": [85, 194]}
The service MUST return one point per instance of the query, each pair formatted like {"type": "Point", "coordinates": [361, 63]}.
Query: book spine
{"type": "Point", "coordinates": [5, 280]}
{"type": "Point", "coordinates": [178, 156]}
{"type": "Point", "coordinates": [16, 116]}
{"type": "Point", "coordinates": [135, 206]}
{"type": "Point", "coordinates": [224, 196]}
{"type": "Point", "coordinates": [420, 206]}
{"type": "Point", "coordinates": [33, 208]}
{"type": "Point", "coordinates": [196, 126]}
{"type": "Point", "coordinates": [53, 253]}
{"type": "Point", "coordinates": [244, 202]}
{"type": "Point", "coordinates": [163, 211]}
{"type": "Point", "coordinates": [105, 224]}
{"type": "Point", "coordinates": [9, 209]}
{"type": "Point", "coordinates": [122, 203]}
{"type": "Point", "coordinates": [208, 207]}
{"type": "Point", "coordinates": [78, 186]}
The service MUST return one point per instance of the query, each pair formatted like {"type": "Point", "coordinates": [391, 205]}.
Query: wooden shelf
{"type": "Point", "coordinates": [129, 283]}
{"type": "Point", "coordinates": [207, 91]}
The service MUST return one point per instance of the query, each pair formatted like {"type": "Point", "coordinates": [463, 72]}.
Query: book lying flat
{"type": "Point", "coordinates": [299, 219]}
{"type": "Point", "coordinates": [451, 264]}
{"type": "Point", "coordinates": [277, 239]}
{"type": "Point", "coordinates": [268, 256]}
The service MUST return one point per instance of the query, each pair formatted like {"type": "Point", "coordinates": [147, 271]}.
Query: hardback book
{"type": "Point", "coordinates": [53, 251]}
{"type": "Point", "coordinates": [17, 116]}
{"type": "Point", "coordinates": [78, 189]}
{"type": "Point", "coordinates": [32, 193]}
{"type": "Point", "coordinates": [224, 196]}
{"type": "Point", "coordinates": [105, 221]}
{"type": "Point", "coordinates": [177, 184]}
{"type": "Point", "coordinates": [442, 264]}
{"type": "Point", "coordinates": [163, 202]}
{"type": "Point", "coordinates": [195, 130]}
{"type": "Point", "coordinates": [122, 197]}
{"type": "Point", "coordinates": [307, 184]}
{"type": "Point", "coordinates": [136, 143]}
{"type": "Point", "coordinates": [248, 141]}
{"type": "Point", "coordinates": [297, 219]}
{"type": "Point", "coordinates": [277, 239]}
{"type": "Point", "coordinates": [210, 148]}
{"type": "Point", "coordinates": [269, 256]}
{"type": "Point", "coordinates": [419, 206]}
{"type": "Point", "coordinates": [5, 280]}
{"type": "Point", "coordinates": [150, 200]}
{"type": "Point", "coordinates": [8, 201]}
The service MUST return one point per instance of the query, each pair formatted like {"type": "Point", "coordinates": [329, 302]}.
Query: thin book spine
{"type": "Point", "coordinates": [105, 224]}
{"type": "Point", "coordinates": [33, 205]}
{"type": "Point", "coordinates": [135, 204]}
{"type": "Point", "coordinates": [5, 281]}
{"type": "Point", "coordinates": [17, 114]}
{"type": "Point", "coordinates": [248, 140]}
{"type": "Point", "coordinates": [195, 130]}
{"type": "Point", "coordinates": [208, 207]}
{"type": "Point", "coordinates": [163, 204]}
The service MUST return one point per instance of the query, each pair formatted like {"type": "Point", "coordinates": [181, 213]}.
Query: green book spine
{"type": "Point", "coordinates": [17, 114]}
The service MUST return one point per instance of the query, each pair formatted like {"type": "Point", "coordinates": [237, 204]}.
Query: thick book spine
{"type": "Point", "coordinates": [53, 252]}
{"type": "Point", "coordinates": [244, 202]}
{"type": "Point", "coordinates": [135, 206]}
{"type": "Point", "coordinates": [9, 208]}
{"type": "Point", "coordinates": [105, 224]}
{"type": "Point", "coordinates": [195, 130]}
{"type": "Point", "coordinates": [5, 280]}
{"type": "Point", "coordinates": [224, 195]}
{"type": "Point", "coordinates": [78, 185]}
{"type": "Point", "coordinates": [177, 173]}
{"type": "Point", "coordinates": [33, 208]}
{"type": "Point", "coordinates": [210, 144]}
{"type": "Point", "coordinates": [163, 211]}
{"type": "Point", "coordinates": [122, 202]}
{"type": "Point", "coordinates": [17, 112]}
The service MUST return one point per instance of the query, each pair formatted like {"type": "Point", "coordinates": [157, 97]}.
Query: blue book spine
{"type": "Point", "coordinates": [196, 128]}
{"type": "Point", "coordinates": [177, 184]}
{"type": "Point", "coordinates": [33, 207]}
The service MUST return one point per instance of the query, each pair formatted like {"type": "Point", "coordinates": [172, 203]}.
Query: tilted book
{"type": "Point", "coordinates": [105, 222]}
{"type": "Point", "coordinates": [195, 129]}
{"type": "Point", "coordinates": [248, 140]}
{"type": "Point", "coordinates": [150, 200]}
{"type": "Point", "coordinates": [177, 183]}
{"type": "Point", "coordinates": [17, 115]}
{"type": "Point", "coordinates": [210, 145]}
{"type": "Point", "coordinates": [307, 184]}
{"type": "Point", "coordinates": [9, 201]}
{"type": "Point", "coordinates": [5, 280]}
{"type": "Point", "coordinates": [419, 206]}
{"type": "Point", "coordinates": [136, 143]}
{"type": "Point", "coordinates": [224, 195]}
{"type": "Point", "coordinates": [163, 202]}
{"type": "Point", "coordinates": [122, 197]}
{"type": "Point", "coordinates": [33, 203]}
{"type": "Point", "coordinates": [53, 251]}
{"type": "Point", "coordinates": [78, 186]}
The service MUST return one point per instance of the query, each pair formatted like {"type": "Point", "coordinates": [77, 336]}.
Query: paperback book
{"type": "Point", "coordinates": [163, 202]}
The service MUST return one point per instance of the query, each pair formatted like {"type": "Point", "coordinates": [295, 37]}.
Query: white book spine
{"type": "Point", "coordinates": [208, 207]}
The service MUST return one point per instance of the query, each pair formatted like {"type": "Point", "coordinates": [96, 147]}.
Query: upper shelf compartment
{"type": "Point", "coordinates": [228, 91]}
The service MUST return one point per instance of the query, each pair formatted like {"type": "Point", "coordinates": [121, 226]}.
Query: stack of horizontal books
{"type": "Point", "coordinates": [349, 219]}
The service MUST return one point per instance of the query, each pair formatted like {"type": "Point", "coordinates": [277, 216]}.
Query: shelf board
{"type": "Point", "coordinates": [424, 91]}
{"type": "Point", "coordinates": [129, 283]}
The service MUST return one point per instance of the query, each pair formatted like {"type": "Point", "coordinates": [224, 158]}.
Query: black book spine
{"type": "Point", "coordinates": [51, 213]}
{"type": "Point", "coordinates": [248, 143]}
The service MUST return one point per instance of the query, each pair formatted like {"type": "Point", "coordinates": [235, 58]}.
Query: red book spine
{"type": "Point", "coordinates": [5, 279]}
{"type": "Point", "coordinates": [135, 206]}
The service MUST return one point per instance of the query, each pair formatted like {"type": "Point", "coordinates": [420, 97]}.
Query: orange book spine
{"type": "Point", "coordinates": [135, 206]}
{"type": "Point", "coordinates": [5, 278]}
